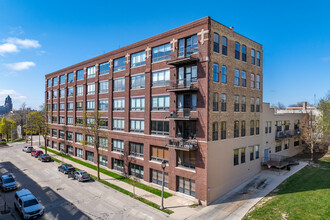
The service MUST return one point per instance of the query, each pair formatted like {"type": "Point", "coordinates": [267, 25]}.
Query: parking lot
{"type": "Point", "coordinates": [65, 198]}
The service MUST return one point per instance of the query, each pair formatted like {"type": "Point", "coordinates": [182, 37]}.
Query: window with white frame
{"type": "Point", "coordinates": [79, 106]}
{"type": "Point", "coordinates": [137, 125]}
{"type": "Point", "coordinates": [48, 94]}
{"type": "Point", "coordinates": [69, 106]}
{"type": "Point", "coordinates": [80, 74]}
{"type": "Point", "coordinates": [159, 103]}
{"type": "Point", "coordinates": [70, 92]}
{"type": "Point", "coordinates": [49, 83]}
{"type": "Point", "coordinates": [61, 134]}
{"type": "Point", "coordinates": [118, 145]}
{"type": "Point", "coordinates": [62, 93]}
{"type": "Point", "coordinates": [161, 52]}
{"type": "Point", "coordinates": [104, 68]}
{"type": "Point", "coordinates": [54, 94]}
{"type": "Point", "coordinates": [69, 135]}
{"type": "Point", "coordinates": [258, 81]}
{"type": "Point", "coordinates": [138, 59]}
{"type": "Point", "coordinates": [69, 120]}
{"type": "Point", "coordinates": [55, 81]}
{"type": "Point", "coordinates": [160, 127]}
{"type": "Point", "coordinates": [137, 104]}
{"type": "Point", "coordinates": [103, 142]}
{"type": "Point", "coordinates": [118, 104]}
{"type": "Point", "coordinates": [118, 124]}
{"type": "Point", "coordinates": [79, 152]}
{"type": "Point", "coordinates": [136, 149]}
{"type": "Point", "coordinates": [62, 120]}
{"type": "Point", "coordinates": [138, 81]}
{"type": "Point", "coordinates": [89, 139]}
{"type": "Point", "coordinates": [119, 84]}
{"type": "Point", "coordinates": [161, 78]}
{"type": "Point", "coordinates": [80, 90]}
{"type": "Point", "coordinates": [90, 105]}
{"type": "Point", "coordinates": [119, 64]}
{"type": "Point", "coordinates": [252, 80]}
{"type": "Point", "coordinates": [103, 105]}
{"type": "Point", "coordinates": [91, 89]}
{"type": "Point", "coordinates": [104, 87]}
{"type": "Point", "coordinates": [79, 137]}
{"type": "Point", "coordinates": [91, 72]}
{"type": "Point", "coordinates": [54, 106]}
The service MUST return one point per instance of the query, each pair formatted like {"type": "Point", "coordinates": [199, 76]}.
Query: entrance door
{"type": "Point", "coordinates": [266, 155]}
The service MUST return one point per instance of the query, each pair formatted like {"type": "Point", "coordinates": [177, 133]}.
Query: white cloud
{"type": "Point", "coordinates": [12, 93]}
{"type": "Point", "coordinates": [20, 65]}
{"type": "Point", "coordinates": [8, 48]}
{"type": "Point", "coordinates": [23, 43]}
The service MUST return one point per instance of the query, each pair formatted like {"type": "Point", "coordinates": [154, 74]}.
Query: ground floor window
{"type": "Point", "coordinates": [278, 146]}
{"type": "Point", "coordinates": [103, 160]}
{"type": "Point", "coordinates": [79, 152]}
{"type": "Point", "coordinates": [90, 156]}
{"type": "Point", "coordinates": [236, 157]}
{"type": "Point", "coordinates": [157, 177]}
{"type": "Point", "coordinates": [118, 165]}
{"type": "Point", "coordinates": [54, 145]}
{"type": "Point", "coordinates": [136, 170]}
{"type": "Point", "coordinates": [186, 186]}
{"type": "Point", "coordinates": [251, 153]}
{"type": "Point", "coordinates": [69, 149]}
{"type": "Point", "coordinates": [296, 141]}
{"type": "Point", "coordinates": [257, 151]}
{"type": "Point", "coordinates": [186, 159]}
{"type": "Point", "coordinates": [62, 147]}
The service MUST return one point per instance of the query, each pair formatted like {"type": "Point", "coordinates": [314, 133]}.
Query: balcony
{"type": "Point", "coordinates": [287, 134]}
{"type": "Point", "coordinates": [182, 85]}
{"type": "Point", "coordinates": [184, 114]}
{"type": "Point", "coordinates": [183, 60]}
{"type": "Point", "coordinates": [183, 144]}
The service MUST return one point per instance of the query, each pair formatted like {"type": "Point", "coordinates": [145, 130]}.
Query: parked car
{"type": "Point", "coordinates": [28, 149]}
{"type": "Point", "coordinates": [27, 204]}
{"type": "Point", "coordinates": [7, 182]}
{"type": "Point", "coordinates": [3, 140]}
{"type": "Point", "coordinates": [44, 158]}
{"type": "Point", "coordinates": [66, 168]}
{"type": "Point", "coordinates": [36, 153]}
{"type": "Point", "coordinates": [81, 176]}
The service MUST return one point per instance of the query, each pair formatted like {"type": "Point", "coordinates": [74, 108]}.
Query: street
{"type": "Point", "coordinates": [65, 198]}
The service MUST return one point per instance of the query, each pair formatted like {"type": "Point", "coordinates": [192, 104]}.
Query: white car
{"type": "Point", "coordinates": [27, 149]}
{"type": "Point", "coordinates": [27, 204]}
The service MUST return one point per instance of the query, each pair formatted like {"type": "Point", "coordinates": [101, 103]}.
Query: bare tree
{"type": "Point", "coordinates": [309, 132]}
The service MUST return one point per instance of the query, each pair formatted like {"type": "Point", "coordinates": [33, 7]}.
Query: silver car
{"type": "Point", "coordinates": [81, 175]}
{"type": "Point", "coordinates": [28, 149]}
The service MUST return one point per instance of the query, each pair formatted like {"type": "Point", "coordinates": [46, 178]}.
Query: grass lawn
{"type": "Point", "coordinates": [305, 195]}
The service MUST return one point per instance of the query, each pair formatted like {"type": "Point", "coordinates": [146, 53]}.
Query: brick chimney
{"type": "Point", "coordinates": [304, 105]}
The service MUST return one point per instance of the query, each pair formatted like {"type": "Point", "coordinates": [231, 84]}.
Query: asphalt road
{"type": "Point", "coordinates": [65, 198]}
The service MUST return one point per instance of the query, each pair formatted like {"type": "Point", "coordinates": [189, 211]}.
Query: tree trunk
{"type": "Point", "coordinates": [312, 151]}
{"type": "Point", "coordinates": [97, 163]}
{"type": "Point", "coordinates": [45, 145]}
{"type": "Point", "coordinates": [39, 138]}
{"type": "Point", "coordinates": [31, 138]}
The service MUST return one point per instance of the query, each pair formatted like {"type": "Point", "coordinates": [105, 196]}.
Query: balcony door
{"type": "Point", "coordinates": [187, 75]}
{"type": "Point", "coordinates": [186, 129]}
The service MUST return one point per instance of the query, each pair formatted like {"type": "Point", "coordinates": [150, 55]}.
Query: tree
{"type": "Point", "coordinates": [90, 128]}
{"type": "Point", "coordinates": [6, 127]}
{"type": "Point", "coordinates": [324, 120]}
{"type": "Point", "coordinates": [279, 105]}
{"type": "Point", "coordinates": [309, 133]}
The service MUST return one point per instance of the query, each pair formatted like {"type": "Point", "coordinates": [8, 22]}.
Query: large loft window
{"type": "Point", "coordinates": [161, 78]}
{"type": "Point", "coordinates": [187, 101]}
{"type": "Point", "coordinates": [119, 64]}
{"type": "Point", "coordinates": [80, 74]}
{"type": "Point", "coordinates": [104, 68]}
{"type": "Point", "coordinates": [118, 104]}
{"type": "Point", "coordinates": [91, 89]}
{"type": "Point", "coordinates": [160, 103]}
{"type": "Point", "coordinates": [138, 59]}
{"type": "Point", "coordinates": [70, 77]}
{"type": "Point", "coordinates": [137, 104]}
{"type": "Point", "coordinates": [138, 81]}
{"type": "Point", "coordinates": [118, 124]}
{"type": "Point", "coordinates": [188, 46]}
{"type": "Point", "coordinates": [62, 79]}
{"type": "Point", "coordinates": [187, 75]}
{"type": "Point", "coordinates": [161, 52]}
{"type": "Point", "coordinates": [160, 127]}
{"type": "Point", "coordinates": [91, 72]}
{"type": "Point", "coordinates": [137, 126]}
{"type": "Point", "coordinates": [186, 159]}
{"type": "Point", "coordinates": [119, 84]}
{"type": "Point", "coordinates": [104, 87]}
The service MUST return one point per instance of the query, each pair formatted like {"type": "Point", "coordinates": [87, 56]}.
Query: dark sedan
{"type": "Point", "coordinates": [66, 168]}
{"type": "Point", "coordinates": [44, 158]}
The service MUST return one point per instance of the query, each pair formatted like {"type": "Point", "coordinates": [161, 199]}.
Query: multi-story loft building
{"type": "Point", "coordinates": [190, 96]}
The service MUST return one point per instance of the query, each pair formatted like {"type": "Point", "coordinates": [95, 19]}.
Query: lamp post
{"type": "Point", "coordinates": [163, 167]}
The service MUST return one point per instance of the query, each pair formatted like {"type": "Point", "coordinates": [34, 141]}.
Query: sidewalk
{"type": "Point", "coordinates": [9, 215]}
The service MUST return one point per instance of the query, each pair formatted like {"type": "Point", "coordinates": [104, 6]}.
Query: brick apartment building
{"type": "Point", "coordinates": [191, 96]}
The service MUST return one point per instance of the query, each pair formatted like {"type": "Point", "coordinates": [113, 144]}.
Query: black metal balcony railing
{"type": "Point", "coordinates": [188, 58]}
{"type": "Point", "coordinates": [183, 144]}
{"type": "Point", "coordinates": [287, 134]}
{"type": "Point", "coordinates": [183, 114]}
{"type": "Point", "coordinates": [183, 85]}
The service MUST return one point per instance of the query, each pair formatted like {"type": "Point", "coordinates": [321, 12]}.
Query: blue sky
{"type": "Point", "coordinates": [38, 37]}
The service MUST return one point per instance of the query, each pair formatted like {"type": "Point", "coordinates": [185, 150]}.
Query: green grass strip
{"type": "Point", "coordinates": [114, 175]}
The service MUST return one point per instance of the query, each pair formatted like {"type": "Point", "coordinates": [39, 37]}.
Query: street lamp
{"type": "Point", "coordinates": [163, 167]}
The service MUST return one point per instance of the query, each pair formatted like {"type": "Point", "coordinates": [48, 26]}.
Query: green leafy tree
{"type": "Point", "coordinates": [6, 127]}
{"type": "Point", "coordinates": [324, 120]}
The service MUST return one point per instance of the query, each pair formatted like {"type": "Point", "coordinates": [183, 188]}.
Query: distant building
{"type": "Point", "coordinates": [7, 107]}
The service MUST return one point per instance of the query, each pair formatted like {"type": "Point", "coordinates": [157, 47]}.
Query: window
{"type": "Point", "coordinates": [138, 59]}
{"type": "Point", "coordinates": [79, 137]}
{"type": "Point", "coordinates": [118, 165]}
{"type": "Point", "coordinates": [243, 128]}
{"type": "Point", "coordinates": [251, 127]}
{"type": "Point", "coordinates": [62, 79]}
{"type": "Point", "coordinates": [103, 160]}
{"type": "Point", "coordinates": [136, 170]}
{"type": "Point", "coordinates": [296, 141]}
{"type": "Point", "coordinates": [69, 135]}
{"type": "Point", "coordinates": [257, 104]}
{"type": "Point", "coordinates": [253, 60]}
{"type": "Point", "coordinates": [54, 119]}
{"type": "Point", "coordinates": [257, 151]}
{"type": "Point", "coordinates": [118, 104]}
{"type": "Point", "coordinates": [54, 145]}
{"type": "Point", "coordinates": [242, 155]}
{"type": "Point", "coordinates": [55, 81]}
{"type": "Point", "coordinates": [188, 46]}
{"type": "Point", "coordinates": [236, 152]}
{"type": "Point", "coordinates": [91, 72]}
{"type": "Point", "coordinates": [62, 120]}
{"type": "Point", "coordinates": [224, 74]}
{"type": "Point", "coordinates": [119, 84]}
{"type": "Point", "coordinates": [103, 122]}
{"type": "Point", "coordinates": [119, 64]}
{"type": "Point", "coordinates": [104, 87]}
{"type": "Point", "coordinates": [118, 124]}
{"type": "Point", "coordinates": [215, 72]}
{"type": "Point", "coordinates": [103, 142]}
{"type": "Point", "coordinates": [161, 52]}
{"type": "Point", "coordinates": [236, 82]}
{"type": "Point", "coordinates": [286, 144]}
{"type": "Point", "coordinates": [103, 105]}
{"type": "Point", "coordinates": [137, 126]}
{"type": "Point", "coordinates": [251, 153]}
{"type": "Point", "coordinates": [69, 106]}
{"type": "Point", "coordinates": [61, 134]}
{"type": "Point", "coordinates": [252, 104]}
{"type": "Point", "coordinates": [118, 145]}
{"type": "Point", "coordinates": [79, 152]}
{"type": "Point", "coordinates": [257, 127]}
{"type": "Point", "coordinates": [49, 83]}
{"type": "Point", "coordinates": [48, 94]}
{"type": "Point", "coordinates": [62, 147]}
{"type": "Point", "coordinates": [91, 89]}
{"type": "Point", "coordinates": [79, 121]}
{"type": "Point", "coordinates": [258, 58]}
{"type": "Point", "coordinates": [138, 82]}
{"type": "Point", "coordinates": [187, 101]}
{"type": "Point", "coordinates": [70, 77]}
{"type": "Point", "coordinates": [90, 105]}
{"type": "Point", "coordinates": [137, 104]}
{"type": "Point", "coordinates": [69, 120]}
{"type": "Point", "coordinates": [278, 126]}
{"type": "Point", "coordinates": [215, 102]}
{"type": "Point", "coordinates": [215, 131]}
{"type": "Point", "coordinates": [243, 79]}
{"type": "Point", "coordinates": [89, 140]}
{"type": "Point", "coordinates": [278, 146]}
{"type": "Point", "coordinates": [136, 149]}
{"type": "Point", "coordinates": [55, 94]}
{"type": "Point", "coordinates": [216, 42]}
{"type": "Point", "coordinates": [258, 82]}
{"type": "Point", "coordinates": [80, 90]}
{"type": "Point", "coordinates": [160, 127]}
{"type": "Point", "coordinates": [252, 80]}
{"type": "Point", "coordinates": [159, 153]}
{"type": "Point", "coordinates": [237, 50]}
{"type": "Point", "coordinates": [104, 68]}
{"type": "Point", "coordinates": [243, 104]}
{"type": "Point", "coordinates": [80, 74]}
{"type": "Point", "coordinates": [161, 78]}
{"type": "Point", "coordinates": [157, 177]}
{"type": "Point", "coordinates": [186, 159]}
{"type": "Point", "coordinates": [236, 103]}
{"type": "Point", "coordinates": [159, 103]}
{"type": "Point", "coordinates": [223, 102]}
{"type": "Point", "coordinates": [243, 53]}
{"type": "Point", "coordinates": [70, 92]}
{"type": "Point", "coordinates": [55, 107]}
{"type": "Point", "coordinates": [224, 45]}
{"type": "Point", "coordinates": [223, 130]}
{"type": "Point", "coordinates": [54, 132]}
{"type": "Point", "coordinates": [187, 75]}
{"type": "Point", "coordinates": [48, 107]}
{"type": "Point", "coordinates": [79, 106]}
{"type": "Point", "coordinates": [236, 129]}
{"type": "Point", "coordinates": [266, 127]}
